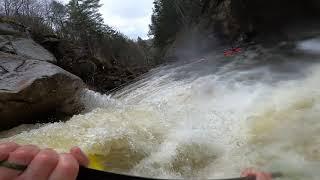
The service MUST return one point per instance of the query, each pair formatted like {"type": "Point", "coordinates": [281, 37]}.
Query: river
{"type": "Point", "coordinates": [207, 118]}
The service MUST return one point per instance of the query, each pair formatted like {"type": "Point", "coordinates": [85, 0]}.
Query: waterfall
{"type": "Point", "coordinates": [205, 118]}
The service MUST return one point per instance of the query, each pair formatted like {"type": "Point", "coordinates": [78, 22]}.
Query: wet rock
{"type": "Point", "coordinates": [31, 89]}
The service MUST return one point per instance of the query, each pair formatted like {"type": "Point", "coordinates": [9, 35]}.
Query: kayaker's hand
{"type": "Point", "coordinates": [42, 164]}
{"type": "Point", "coordinates": [258, 174]}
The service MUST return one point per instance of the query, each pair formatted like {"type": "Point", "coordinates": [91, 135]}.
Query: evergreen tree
{"type": "Point", "coordinates": [85, 21]}
{"type": "Point", "coordinates": [170, 16]}
{"type": "Point", "coordinates": [164, 21]}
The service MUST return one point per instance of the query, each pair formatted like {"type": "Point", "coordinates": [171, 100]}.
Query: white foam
{"type": "Point", "coordinates": [311, 45]}
{"type": "Point", "coordinates": [203, 125]}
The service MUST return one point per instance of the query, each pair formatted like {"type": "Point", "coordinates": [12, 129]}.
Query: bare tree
{"type": "Point", "coordinates": [2, 9]}
{"type": "Point", "coordinates": [7, 7]}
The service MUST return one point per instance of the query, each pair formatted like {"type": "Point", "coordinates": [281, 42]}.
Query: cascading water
{"type": "Point", "coordinates": [207, 118]}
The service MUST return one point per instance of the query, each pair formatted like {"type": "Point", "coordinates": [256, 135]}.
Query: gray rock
{"type": "Point", "coordinates": [8, 29]}
{"type": "Point", "coordinates": [25, 47]}
{"type": "Point", "coordinates": [30, 49]}
{"type": "Point", "coordinates": [33, 88]}
{"type": "Point", "coordinates": [5, 45]}
{"type": "Point", "coordinates": [3, 41]}
{"type": "Point", "coordinates": [7, 49]}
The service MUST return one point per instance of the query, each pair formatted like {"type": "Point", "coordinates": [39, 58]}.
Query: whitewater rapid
{"type": "Point", "coordinates": [205, 118]}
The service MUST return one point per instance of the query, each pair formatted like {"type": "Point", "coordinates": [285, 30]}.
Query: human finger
{"type": "Point", "coordinates": [80, 156]}
{"type": "Point", "coordinates": [42, 165]}
{"type": "Point", "coordinates": [5, 150]}
{"type": "Point", "coordinates": [22, 156]}
{"type": "Point", "coordinates": [67, 168]}
{"type": "Point", "coordinates": [248, 172]}
{"type": "Point", "coordinates": [264, 176]}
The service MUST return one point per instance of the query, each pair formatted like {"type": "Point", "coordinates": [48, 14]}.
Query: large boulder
{"type": "Point", "coordinates": [25, 47]}
{"type": "Point", "coordinates": [30, 49]}
{"type": "Point", "coordinates": [31, 89]}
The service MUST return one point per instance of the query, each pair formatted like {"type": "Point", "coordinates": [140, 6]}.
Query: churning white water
{"type": "Point", "coordinates": [207, 118]}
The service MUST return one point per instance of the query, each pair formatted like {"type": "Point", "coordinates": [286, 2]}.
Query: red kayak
{"type": "Point", "coordinates": [232, 52]}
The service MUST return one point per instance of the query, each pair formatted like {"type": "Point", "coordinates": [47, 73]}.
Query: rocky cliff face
{"type": "Point", "coordinates": [31, 86]}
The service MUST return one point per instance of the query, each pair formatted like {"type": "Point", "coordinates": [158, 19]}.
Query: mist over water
{"type": "Point", "coordinates": [206, 118]}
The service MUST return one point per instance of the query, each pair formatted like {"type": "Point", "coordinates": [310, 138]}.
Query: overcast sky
{"type": "Point", "coordinates": [131, 17]}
